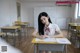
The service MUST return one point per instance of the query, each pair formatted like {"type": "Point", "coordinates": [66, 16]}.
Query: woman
{"type": "Point", "coordinates": [46, 28]}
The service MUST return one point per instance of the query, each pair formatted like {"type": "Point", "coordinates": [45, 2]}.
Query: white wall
{"type": "Point", "coordinates": [29, 10]}
{"type": "Point", "coordinates": [73, 13]}
{"type": "Point", "coordinates": [8, 13]}
{"type": "Point", "coordinates": [77, 14]}
{"type": "Point", "coordinates": [24, 15]}
{"type": "Point", "coordinates": [57, 14]}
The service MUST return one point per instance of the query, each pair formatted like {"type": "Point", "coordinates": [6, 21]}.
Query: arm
{"type": "Point", "coordinates": [58, 33]}
{"type": "Point", "coordinates": [36, 35]}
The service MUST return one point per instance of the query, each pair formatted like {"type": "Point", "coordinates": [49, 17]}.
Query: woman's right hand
{"type": "Point", "coordinates": [41, 37]}
{"type": "Point", "coordinates": [44, 36]}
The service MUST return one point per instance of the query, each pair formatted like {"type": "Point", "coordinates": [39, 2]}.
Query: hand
{"type": "Point", "coordinates": [44, 36]}
{"type": "Point", "coordinates": [41, 37]}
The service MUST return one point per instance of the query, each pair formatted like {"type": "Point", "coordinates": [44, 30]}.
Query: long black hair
{"type": "Point", "coordinates": [40, 24]}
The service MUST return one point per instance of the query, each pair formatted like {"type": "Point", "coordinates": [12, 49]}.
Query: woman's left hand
{"type": "Point", "coordinates": [46, 36]}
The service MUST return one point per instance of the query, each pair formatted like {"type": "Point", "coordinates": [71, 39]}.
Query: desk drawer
{"type": "Point", "coordinates": [9, 30]}
{"type": "Point", "coordinates": [51, 47]}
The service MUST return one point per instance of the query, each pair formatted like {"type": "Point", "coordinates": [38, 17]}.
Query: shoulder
{"type": "Point", "coordinates": [53, 25]}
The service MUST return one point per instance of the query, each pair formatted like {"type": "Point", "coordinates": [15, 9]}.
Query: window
{"type": "Point", "coordinates": [79, 9]}
{"type": "Point", "coordinates": [18, 11]}
{"type": "Point", "coordinates": [76, 10]}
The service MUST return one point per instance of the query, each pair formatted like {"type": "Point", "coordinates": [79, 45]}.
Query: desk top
{"type": "Point", "coordinates": [51, 41]}
{"type": "Point", "coordinates": [21, 23]}
{"type": "Point", "coordinates": [11, 27]}
{"type": "Point", "coordinates": [1, 33]}
{"type": "Point", "coordinates": [74, 24]}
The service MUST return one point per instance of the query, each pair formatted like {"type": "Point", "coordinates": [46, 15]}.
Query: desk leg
{"type": "Point", "coordinates": [6, 37]}
{"type": "Point", "coordinates": [19, 37]}
{"type": "Point", "coordinates": [35, 48]}
{"type": "Point", "coordinates": [65, 48]}
{"type": "Point", "coordinates": [27, 30]}
{"type": "Point", "coordinates": [68, 33]}
{"type": "Point", "coordinates": [14, 37]}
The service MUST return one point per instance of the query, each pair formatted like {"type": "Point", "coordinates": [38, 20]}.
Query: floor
{"type": "Point", "coordinates": [27, 47]}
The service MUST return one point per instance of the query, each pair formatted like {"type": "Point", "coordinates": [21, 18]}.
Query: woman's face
{"type": "Point", "coordinates": [44, 19]}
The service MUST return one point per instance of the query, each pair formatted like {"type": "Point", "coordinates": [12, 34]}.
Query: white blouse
{"type": "Point", "coordinates": [52, 28]}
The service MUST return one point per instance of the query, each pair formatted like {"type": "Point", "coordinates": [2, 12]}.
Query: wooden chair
{"type": "Point", "coordinates": [73, 33]}
{"type": "Point", "coordinates": [78, 35]}
{"type": "Point", "coordinates": [2, 34]}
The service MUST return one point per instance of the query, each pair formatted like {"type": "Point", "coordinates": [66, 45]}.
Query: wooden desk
{"type": "Point", "coordinates": [73, 30]}
{"type": "Point", "coordinates": [1, 34]}
{"type": "Point", "coordinates": [13, 30]}
{"type": "Point", "coordinates": [7, 48]}
{"type": "Point", "coordinates": [73, 26]}
{"type": "Point", "coordinates": [24, 26]}
{"type": "Point", "coordinates": [50, 46]}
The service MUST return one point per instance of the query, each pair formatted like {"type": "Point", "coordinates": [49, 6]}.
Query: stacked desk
{"type": "Point", "coordinates": [74, 32]}
{"type": "Point", "coordinates": [1, 34]}
{"type": "Point", "coordinates": [23, 26]}
{"type": "Point", "coordinates": [51, 45]}
{"type": "Point", "coordinates": [73, 26]}
{"type": "Point", "coordinates": [13, 30]}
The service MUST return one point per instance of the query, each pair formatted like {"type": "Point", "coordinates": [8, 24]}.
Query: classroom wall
{"type": "Point", "coordinates": [29, 10]}
{"type": "Point", "coordinates": [78, 20]}
{"type": "Point", "coordinates": [57, 15]}
{"type": "Point", "coordinates": [8, 13]}
{"type": "Point", "coordinates": [73, 19]}
{"type": "Point", "coordinates": [78, 17]}
{"type": "Point", "coordinates": [24, 13]}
